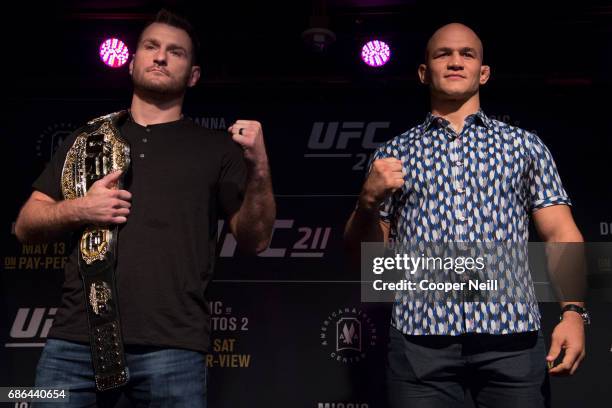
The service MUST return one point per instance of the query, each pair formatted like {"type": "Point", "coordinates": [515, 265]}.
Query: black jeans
{"type": "Point", "coordinates": [500, 371]}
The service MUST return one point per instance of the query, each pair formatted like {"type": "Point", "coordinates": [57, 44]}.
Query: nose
{"type": "Point", "coordinates": [160, 57]}
{"type": "Point", "coordinates": [455, 63]}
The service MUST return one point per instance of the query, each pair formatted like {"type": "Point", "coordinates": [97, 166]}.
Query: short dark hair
{"type": "Point", "coordinates": [176, 20]}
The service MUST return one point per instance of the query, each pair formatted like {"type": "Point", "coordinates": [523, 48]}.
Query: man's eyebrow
{"type": "Point", "coordinates": [442, 49]}
{"type": "Point", "coordinates": [170, 46]}
{"type": "Point", "coordinates": [469, 49]}
{"type": "Point", "coordinates": [450, 50]}
{"type": "Point", "coordinates": [150, 40]}
{"type": "Point", "coordinates": [176, 47]}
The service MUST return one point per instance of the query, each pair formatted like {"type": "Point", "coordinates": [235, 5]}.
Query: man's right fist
{"type": "Point", "coordinates": [104, 204]}
{"type": "Point", "coordinates": [386, 176]}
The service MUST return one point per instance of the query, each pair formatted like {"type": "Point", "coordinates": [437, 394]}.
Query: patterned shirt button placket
{"type": "Point", "coordinates": [459, 189]}
{"type": "Point", "coordinates": [462, 223]}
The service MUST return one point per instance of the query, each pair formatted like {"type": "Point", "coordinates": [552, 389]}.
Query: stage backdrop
{"type": "Point", "coordinates": [277, 317]}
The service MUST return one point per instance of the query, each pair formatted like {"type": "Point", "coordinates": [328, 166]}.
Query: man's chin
{"type": "Point", "coordinates": [158, 91]}
{"type": "Point", "coordinates": [455, 94]}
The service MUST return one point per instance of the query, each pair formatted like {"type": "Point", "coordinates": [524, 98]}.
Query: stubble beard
{"type": "Point", "coordinates": [159, 91]}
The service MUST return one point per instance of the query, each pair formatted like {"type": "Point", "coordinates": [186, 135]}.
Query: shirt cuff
{"type": "Point", "coordinates": [550, 201]}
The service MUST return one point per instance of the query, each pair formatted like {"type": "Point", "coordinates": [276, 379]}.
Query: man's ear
{"type": "Point", "coordinates": [131, 66]}
{"type": "Point", "coordinates": [485, 74]}
{"type": "Point", "coordinates": [194, 76]}
{"type": "Point", "coordinates": [423, 74]}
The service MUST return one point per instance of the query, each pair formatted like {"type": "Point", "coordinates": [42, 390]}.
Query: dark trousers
{"type": "Point", "coordinates": [500, 371]}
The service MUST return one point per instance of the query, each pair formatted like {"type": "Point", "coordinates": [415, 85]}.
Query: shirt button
{"type": "Point", "coordinates": [458, 163]}
{"type": "Point", "coordinates": [145, 140]}
{"type": "Point", "coordinates": [142, 155]}
{"type": "Point", "coordinates": [148, 130]}
{"type": "Point", "coordinates": [460, 190]}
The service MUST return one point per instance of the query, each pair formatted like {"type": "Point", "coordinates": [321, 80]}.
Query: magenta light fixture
{"type": "Point", "coordinates": [114, 53]}
{"type": "Point", "coordinates": [376, 53]}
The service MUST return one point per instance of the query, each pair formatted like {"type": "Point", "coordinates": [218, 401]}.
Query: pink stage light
{"type": "Point", "coordinates": [114, 53]}
{"type": "Point", "coordinates": [375, 53]}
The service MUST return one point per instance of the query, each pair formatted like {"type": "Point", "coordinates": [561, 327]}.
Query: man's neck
{"type": "Point", "coordinates": [146, 111]}
{"type": "Point", "coordinates": [455, 111]}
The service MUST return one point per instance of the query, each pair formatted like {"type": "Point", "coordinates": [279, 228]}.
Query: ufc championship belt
{"type": "Point", "coordinates": [97, 151]}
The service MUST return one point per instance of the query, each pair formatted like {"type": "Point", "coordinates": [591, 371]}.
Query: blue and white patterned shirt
{"type": "Point", "coordinates": [476, 186]}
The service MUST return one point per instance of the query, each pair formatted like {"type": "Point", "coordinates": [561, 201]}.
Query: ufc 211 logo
{"type": "Point", "coordinates": [335, 139]}
{"type": "Point", "coordinates": [289, 239]}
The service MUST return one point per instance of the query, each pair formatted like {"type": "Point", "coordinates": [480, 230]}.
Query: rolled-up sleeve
{"type": "Point", "coordinates": [543, 182]}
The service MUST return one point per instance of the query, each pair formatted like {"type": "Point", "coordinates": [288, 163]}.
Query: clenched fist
{"type": "Point", "coordinates": [386, 176]}
{"type": "Point", "coordinates": [249, 135]}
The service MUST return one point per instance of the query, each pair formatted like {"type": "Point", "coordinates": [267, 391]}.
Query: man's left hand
{"type": "Point", "coordinates": [249, 135]}
{"type": "Point", "coordinates": [567, 335]}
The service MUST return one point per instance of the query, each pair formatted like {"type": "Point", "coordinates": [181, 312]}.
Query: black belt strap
{"type": "Point", "coordinates": [105, 337]}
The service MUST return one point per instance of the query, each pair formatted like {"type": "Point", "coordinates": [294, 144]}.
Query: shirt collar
{"type": "Point", "coordinates": [432, 120]}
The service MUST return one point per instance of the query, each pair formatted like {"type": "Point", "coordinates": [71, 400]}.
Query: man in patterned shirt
{"type": "Point", "coordinates": [461, 176]}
